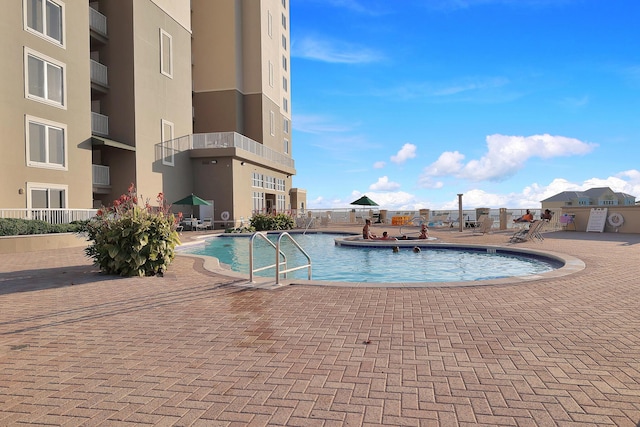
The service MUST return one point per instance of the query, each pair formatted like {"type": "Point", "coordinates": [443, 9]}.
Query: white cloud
{"type": "Point", "coordinates": [333, 51]}
{"type": "Point", "coordinates": [505, 156]}
{"type": "Point", "coordinates": [379, 165]}
{"type": "Point", "coordinates": [408, 151]}
{"type": "Point", "coordinates": [383, 184]}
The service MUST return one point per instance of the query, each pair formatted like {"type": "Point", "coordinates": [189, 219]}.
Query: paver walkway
{"type": "Point", "coordinates": [193, 348]}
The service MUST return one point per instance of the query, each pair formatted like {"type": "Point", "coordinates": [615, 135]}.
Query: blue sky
{"type": "Point", "coordinates": [505, 101]}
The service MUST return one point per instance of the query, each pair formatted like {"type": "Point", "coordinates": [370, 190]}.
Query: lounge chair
{"type": "Point", "coordinates": [532, 233]}
{"type": "Point", "coordinates": [483, 225]}
{"type": "Point", "coordinates": [205, 224]}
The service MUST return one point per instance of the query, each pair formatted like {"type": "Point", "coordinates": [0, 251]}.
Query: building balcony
{"type": "Point", "coordinates": [97, 25]}
{"type": "Point", "coordinates": [99, 76]}
{"type": "Point", "coordinates": [99, 124]}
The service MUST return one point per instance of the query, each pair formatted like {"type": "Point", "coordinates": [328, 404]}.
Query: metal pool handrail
{"type": "Point", "coordinates": [421, 218]}
{"type": "Point", "coordinates": [308, 265]}
{"type": "Point", "coordinates": [279, 253]}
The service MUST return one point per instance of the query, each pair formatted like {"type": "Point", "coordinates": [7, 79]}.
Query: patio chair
{"type": "Point", "coordinates": [205, 224]}
{"type": "Point", "coordinates": [483, 225]}
{"type": "Point", "coordinates": [532, 233]}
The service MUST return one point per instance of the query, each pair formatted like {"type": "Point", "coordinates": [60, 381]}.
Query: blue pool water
{"type": "Point", "coordinates": [371, 265]}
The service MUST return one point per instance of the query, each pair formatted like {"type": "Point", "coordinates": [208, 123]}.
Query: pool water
{"type": "Point", "coordinates": [371, 265]}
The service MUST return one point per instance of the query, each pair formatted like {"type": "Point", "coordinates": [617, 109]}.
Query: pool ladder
{"type": "Point", "coordinates": [421, 218]}
{"type": "Point", "coordinates": [279, 263]}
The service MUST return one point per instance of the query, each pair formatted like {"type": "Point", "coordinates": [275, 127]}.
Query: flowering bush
{"type": "Point", "coordinates": [131, 240]}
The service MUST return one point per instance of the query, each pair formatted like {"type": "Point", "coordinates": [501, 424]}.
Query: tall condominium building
{"type": "Point", "coordinates": [174, 96]}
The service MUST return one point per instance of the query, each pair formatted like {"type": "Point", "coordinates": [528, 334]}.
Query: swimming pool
{"type": "Point", "coordinates": [331, 262]}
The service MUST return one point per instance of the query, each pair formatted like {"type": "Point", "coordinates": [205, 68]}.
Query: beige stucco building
{"type": "Point", "coordinates": [174, 96]}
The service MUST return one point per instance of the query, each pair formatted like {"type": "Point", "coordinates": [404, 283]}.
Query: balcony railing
{"type": "Point", "coordinates": [97, 21]}
{"type": "Point", "coordinates": [53, 216]}
{"type": "Point", "coordinates": [99, 124]}
{"type": "Point", "coordinates": [101, 175]}
{"type": "Point", "coordinates": [226, 140]}
{"type": "Point", "coordinates": [99, 73]}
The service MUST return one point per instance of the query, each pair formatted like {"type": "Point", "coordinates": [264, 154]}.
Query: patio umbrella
{"type": "Point", "coordinates": [192, 200]}
{"type": "Point", "coordinates": [364, 201]}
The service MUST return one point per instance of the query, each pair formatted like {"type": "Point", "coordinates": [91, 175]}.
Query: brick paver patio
{"type": "Point", "coordinates": [194, 348]}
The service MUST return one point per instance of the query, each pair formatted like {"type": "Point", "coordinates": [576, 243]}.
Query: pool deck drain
{"type": "Point", "coordinates": [198, 348]}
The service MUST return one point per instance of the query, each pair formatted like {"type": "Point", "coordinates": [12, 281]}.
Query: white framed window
{"type": "Point", "coordinates": [285, 125]}
{"type": "Point", "coordinates": [46, 196]}
{"type": "Point", "coordinates": [168, 149]}
{"type": "Point", "coordinates": [46, 143]}
{"type": "Point", "coordinates": [44, 79]}
{"type": "Point", "coordinates": [257, 180]}
{"type": "Point", "coordinates": [269, 24]}
{"type": "Point", "coordinates": [272, 125]}
{"type": "Point", "coordinates": [270, 73]}
{"type": "Point", "coordinates": [45, 18]}
{"type": "Point", "coordinates": [166, 53]}
{"type": "Point", "coordinates": [281, 202]}
{"type": "Point", "coordinates": [258, 201]}
{"type": "Point", "coordinates": [285, 147]}
{"type": "Point", "coordinates": [280, 184]}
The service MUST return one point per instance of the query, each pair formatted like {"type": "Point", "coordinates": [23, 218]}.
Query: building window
{"type": "Point", "coordinates": [281, 202]}
{"type": "Point", "coordinates": [280, 184]}
{"type": "Point", "coordinates": [257, 180]}
{"type": "Point", "coordinates": [44, 80]}
{"type": "Point", "coordinates": [285, 84]}
{"type": "Point", "coordinates": [269, 24]}
{"type": "Point", "coordinates": [284, 62]}
{"type": "Point", "coordinates": [270, 73]}
{"type": "Point", "coordinates": [284, 3]}
{"type": "Point", "coordinates": [272, 124]}
{"type": "Point", "coordinates": [285, 125]}
{"type": "Point", "coordinates": [45, 18]}
{"type": "Point", "coordinates": [284, 42]}
{"type": "Point", "coordinates": [46, 144]}
{"type": "Point", "coordinates": [166, 53]}
{"type": "Point", "coordinates": [168, 149]}
{"type": "Point", "coordinates": [284, 21]}
{"type": "Point", "coordinates": [285, 104]}
{"type": "Point", "coordinates": [285, 147]}
{"type": "Point", "coordinates": [258, 202]}
{"type": "Point", "coordinates": [46, 196]}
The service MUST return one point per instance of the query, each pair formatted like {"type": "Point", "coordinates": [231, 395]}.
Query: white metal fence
{"type": "Point", "coordinates": [53, 216]}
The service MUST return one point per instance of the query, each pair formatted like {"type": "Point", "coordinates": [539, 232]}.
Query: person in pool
{"type": "Point", "coordinates": [385, 236]}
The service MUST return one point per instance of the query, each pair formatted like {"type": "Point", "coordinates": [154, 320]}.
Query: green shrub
{"type": "Point", "coordinates": [131, 240]}
{"type": "Point", "coordinates": [261, 222]}
{"type": "Point", "coordinates": [18, 227]}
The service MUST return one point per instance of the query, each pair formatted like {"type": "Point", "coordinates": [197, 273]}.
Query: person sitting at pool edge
{"type": "Point", "coordinates": [424, 232]}
{"type": "Point", "coordinates": [527, 217]}
{"type": "Point", "coordinates": [547, 215]}
{"type": "Point", "coordinates": [366, 230]}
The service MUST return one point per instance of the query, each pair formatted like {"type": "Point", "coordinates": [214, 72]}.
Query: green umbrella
{"type": "Point", "coordinates": [364, 201]}
{"type": "Point", "coordinates": [192, 200]}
